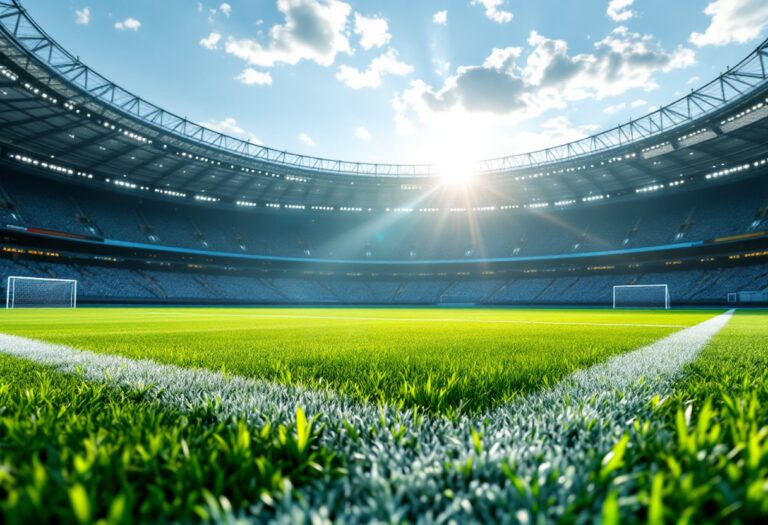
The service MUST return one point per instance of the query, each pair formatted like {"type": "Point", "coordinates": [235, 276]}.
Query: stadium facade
{"type": "Point", "coordinates": [140, 205]}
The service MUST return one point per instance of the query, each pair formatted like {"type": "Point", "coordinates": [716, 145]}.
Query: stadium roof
{"type": "Point", "coordinates": [58, 112]}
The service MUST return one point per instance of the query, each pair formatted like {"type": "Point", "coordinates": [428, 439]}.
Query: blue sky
{"type": "Point", "coordinates": [407, 80]}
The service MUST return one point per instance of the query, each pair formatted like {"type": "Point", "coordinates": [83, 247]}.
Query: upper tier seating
{"type": "Point", "coordinates": [648, 221]}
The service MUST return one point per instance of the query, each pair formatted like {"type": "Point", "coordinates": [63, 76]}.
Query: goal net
{"type": "Point", "coordinates": [36, 292]}
{"type": "Point", "coordinates": [641, 296]}
{"type": "Point", "coordinates": [745, 297]}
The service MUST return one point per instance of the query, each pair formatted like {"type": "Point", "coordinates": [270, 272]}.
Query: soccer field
{"type": "Point", "coordinates": [360, 415]}
{"type": "Point", "coordinates": [442, 360]}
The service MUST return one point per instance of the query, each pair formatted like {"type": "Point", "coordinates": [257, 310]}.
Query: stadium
{"type": "Point", "coordinates": [203, 329]}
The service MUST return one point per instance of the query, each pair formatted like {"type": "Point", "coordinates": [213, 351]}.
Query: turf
{"type": "Point", "coordinates": [72, 451]}
{"type": "Point", "coordinates": [703, 456]}
{"type": "Point", "coordinates": [445, 361]}
{"type": "Point", "coordinates": [696, 454]}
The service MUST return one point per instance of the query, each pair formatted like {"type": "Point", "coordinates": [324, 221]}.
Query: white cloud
{"type": "Point", "coordinates": [83, 16]}
{"type": "Point", "coordinates": [618, 10]}
{"type": "Point", "coordinates": [514, 85]}
{"type": "Point", "coordinates": [211, 41]}
{"type": "Point", "coordinates": [621, 61]}
{"type": "Point", "coordinates": [639, 103]}
{"type": "Point", "coordinates": [363, 134]}
{"type": "Point", "coordinates": [252, 77]}
{"type": "Point", "coordinates": [385, 64]}
{"type": "Point", "coordinates": [129, 24]}
{"type": "Point", "coordinates": [502, 57]}
{"type": "Point", "coordinates": [549, 76]}
{"type": "Point", "coordinates": [493, 12]}
{"type": "Point", "coordinates": [736, 21]}
{"type": "Point", "coordinates": [694, 79]}
{"type": "Point", "coordinates": [615, 108]}
{"type": "Point", "coordinates": [440, 18]}
{"type": "Point", "coordinates": [224, 8]}
{"type": "Point", "coordinates": [306, 139]}
{"type": "Point", "coordinates": [312, 30]}
{"type": "Point", "coordinates": [229, 126]}
{"type": "Point", "coordinates": [442, 67]}
{"type": "Point", "coordinates": [373, 31]}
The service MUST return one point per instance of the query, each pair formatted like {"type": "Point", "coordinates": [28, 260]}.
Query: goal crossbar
{"type": "Point", "coordinates": [661, 298]}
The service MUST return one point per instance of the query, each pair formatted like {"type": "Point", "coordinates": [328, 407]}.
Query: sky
{"type": "Point", "coordinates": [411, 81]}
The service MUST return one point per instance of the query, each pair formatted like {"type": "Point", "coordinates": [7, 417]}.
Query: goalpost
{"type": "Point", "coordinates": [38, 292]}
{"type": "Point", "coordinates": [747, 296]}
{"type": "Point", "coordinates": [641, 296]}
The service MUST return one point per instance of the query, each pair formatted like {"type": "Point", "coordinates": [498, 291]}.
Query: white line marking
{"type": "Point", "coordinates": [402, 468]}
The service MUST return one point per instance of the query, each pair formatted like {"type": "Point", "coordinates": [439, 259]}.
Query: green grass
{"type": "Point", "coordinates": [446, 361]}
{"type": "Point", "coordinates": [703, 457]}
{"type": "Point", "coordinates": [79, 452]}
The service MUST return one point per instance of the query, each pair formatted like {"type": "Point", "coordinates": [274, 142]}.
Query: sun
{"type": "Point", "coordinates": [458, 172]}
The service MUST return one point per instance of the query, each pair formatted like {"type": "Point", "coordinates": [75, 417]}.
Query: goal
{"type": "Point", "coordinates": [641, 296]}
{"type": "Point", "coordinates": [37, 292]}
{"type": "Point", "coordinates": [745, 297]}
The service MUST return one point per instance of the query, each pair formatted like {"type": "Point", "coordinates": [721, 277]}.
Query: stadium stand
{"type": "Point", "coordinates": [141, 205]}
{"type": "Point", "coordinates": [703, 215]}
{"type": "Point", "coordinates": [99, 284]}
